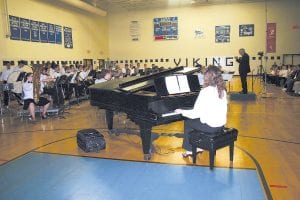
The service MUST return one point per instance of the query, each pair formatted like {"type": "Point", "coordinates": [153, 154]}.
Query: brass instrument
{"type": "Point", "coordinates": [49, 84]}
{"type": "Point", "coordinates": [37, 70]}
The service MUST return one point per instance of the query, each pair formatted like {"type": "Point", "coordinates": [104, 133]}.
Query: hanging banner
{"type": "Point", "coordinates": [44, 32]}
{"type": "Point", "coordinates": [14, 27]}
{"type": "Point", "coordinates": [68, 37]}
{"type": "Point", "coordinates": [51, 33]}
{"type": "Point", "coordinates": [35, 31]}
{"type": "Point", "coordinates": [271, 37]}
{"type": "Point", "coordinates": [58, 34]}
{"type": "Point", "coordinates": [25, 29]}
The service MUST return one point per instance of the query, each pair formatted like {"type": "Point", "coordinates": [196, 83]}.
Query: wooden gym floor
{"type": "Point", "coordinates": [268, 137]}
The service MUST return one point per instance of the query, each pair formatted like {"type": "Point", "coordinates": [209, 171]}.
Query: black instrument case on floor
{"type": "Point", "coordinates": [90, 140]}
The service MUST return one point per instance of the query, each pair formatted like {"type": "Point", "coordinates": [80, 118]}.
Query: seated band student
{"type": "Point", "coordinates": [3, 79]}
{"type": "Point", "coordinates": [106, 77]}
{"type": "Point", "coordinates": [29, 103]}
{"type": "Point", "coordinates": [294, 76]}
{"type": "Point", "coordinates": [209, 113]}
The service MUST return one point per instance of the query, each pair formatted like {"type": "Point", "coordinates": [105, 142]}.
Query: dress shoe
{"type": "Point", "coordinates": [189, 153]}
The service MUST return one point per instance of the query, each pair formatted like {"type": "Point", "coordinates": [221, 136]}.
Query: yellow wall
{"type": "Point", "coordinates": [284, 13]}
{"type": "Point", "coordinates": [89, 33]}
{"type": "Point", "coordinates": [101, 37]}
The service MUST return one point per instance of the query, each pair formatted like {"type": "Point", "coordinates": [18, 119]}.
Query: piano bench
{"type": "Point", "coordinates": [212, 142]}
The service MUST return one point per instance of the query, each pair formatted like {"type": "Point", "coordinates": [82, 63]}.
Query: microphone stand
{"type": "Point", "coordinates": [60, 100]}
{"type": "Point", "coordinates": [265, 93]}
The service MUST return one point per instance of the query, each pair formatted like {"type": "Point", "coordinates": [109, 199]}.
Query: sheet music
{"type": "Point", "coordinates": [177, 84]}
{"type": "Point", "coordinates": [172, 84]}
{"type": "Point", "coordinates": [201, 78]}
{"type": "Point", "coordinates": [183, 84]}
{"type": "Point", "coordinates": [169, 114]}
{"type": "Point", "coordinates": [227, 77]}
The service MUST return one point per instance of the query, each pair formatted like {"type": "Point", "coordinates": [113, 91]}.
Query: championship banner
{"type": "Point", "coordinates": [25, 29]}
{"type": "Point", "coordinates": [58, 31]}
{"type": "Point", "coordinates": [166, 28]}
{"type": "Point", "coordinates": [44, 32]}
{"type": "Point", "coordinates": [271, 37]}
{"type": "Point", "coordinates": [14, 22]}
{"type": "Point", "coordinates": [68, 40]}
{"type": "Point", "coordinates": [35, 31]}
{"type": "Point", "coordinates": [51, 33]}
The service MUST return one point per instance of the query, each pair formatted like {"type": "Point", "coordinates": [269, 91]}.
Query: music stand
{"type": "Point", "coordinates": [59, 94]}
{"type": "Point", "coordinates": [5, 87]}
{"type": "Point", "coordinates": [264, 93]}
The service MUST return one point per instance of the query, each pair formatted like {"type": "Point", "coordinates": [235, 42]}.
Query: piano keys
{"type": "Point", "coordinates": [145, 100]}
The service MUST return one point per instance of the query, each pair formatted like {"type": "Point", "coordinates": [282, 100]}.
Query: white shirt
{"type": "Point", "coordinates": [283, 73]}
{"type": "Point", "coordinates": [5, 73]}
{"type": "Point", "coordinates": [209, 108]}
{"type": "Point", "coordinates": [273, 72]}
{"type": "Point", "coordinates": [28, 90]}
{"type": "Point", "coordinates": [68, 74]}
{"type": "Point", "coordinates": [82, 76]}
{"type": "Point", "coordinates": [101, 80]}
{"type": "Point", "coordinates": [18, 69]}
{"type": "Point", "coordinates": [51, 72]}
{"type": "Point", "coordinates": [62, 71]}
{"type": "Point", "coordinates": [43, 79]}
{"type": "Point", "coordinates": [132, 71]}
{"type": "Point", "coordinates": [73, 80]}
{"type": "Point", "coordinates": [55, 75]}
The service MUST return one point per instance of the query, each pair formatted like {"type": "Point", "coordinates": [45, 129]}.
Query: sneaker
{"type": "Point", "coordinates": [44, 117]}
{"type": "Point", "coordinates": [283, 89]}
{"type": "Point", "coordinates": [31, 119]}
{"type": "Point", "coordinates": [189, 153]}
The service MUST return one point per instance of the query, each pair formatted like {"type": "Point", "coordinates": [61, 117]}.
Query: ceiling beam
{"type": "Point", "coordinates": [85, 6]}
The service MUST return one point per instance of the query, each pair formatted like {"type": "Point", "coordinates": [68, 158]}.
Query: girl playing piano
{"type": "Point", "coordinates": [210, 109]}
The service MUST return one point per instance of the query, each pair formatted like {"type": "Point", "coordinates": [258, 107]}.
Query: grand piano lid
{"type": "Point", "coordinates": [134, 83]}
{"type": "Point", "coordinates": [112, 84]}
{"type": "Point", "coordinates": [143, 82]}
{"type": "Point", "coordinates": [188, 70]}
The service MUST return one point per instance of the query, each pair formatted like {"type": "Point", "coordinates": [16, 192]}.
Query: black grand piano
{"type": "Point", "coordinates": [145, 100]}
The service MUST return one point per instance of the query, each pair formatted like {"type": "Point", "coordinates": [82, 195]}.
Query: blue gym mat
{"type": "Point", "coordinates": [58, 177]}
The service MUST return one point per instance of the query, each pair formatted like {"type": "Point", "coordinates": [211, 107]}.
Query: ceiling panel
{"type": "Point", "coordinates": [117, 5]}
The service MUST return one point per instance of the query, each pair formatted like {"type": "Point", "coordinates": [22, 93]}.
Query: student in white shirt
{"type": "Point", "coordinates": [106, 77]}
{"type": "Point", "coordinates": [45, 79]}
{"type": "Point", "coordinates": [83, 74]}
{"type": "Point", "coordinates": [209, 113]}
{"type": "Point", "coordinates": [29, 103]}
{"type": "Point", "coordinates": [20, 66]}
{"type": "Point", "coordinates": [6, 71]}
{"type": "Point", "coordinates": [3, 78]}
{"type": "Point", "coordinates": [56, 73]}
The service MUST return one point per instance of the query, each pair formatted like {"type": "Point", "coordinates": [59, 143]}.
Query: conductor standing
{"type": "Point", "coordinates": [244, 69]}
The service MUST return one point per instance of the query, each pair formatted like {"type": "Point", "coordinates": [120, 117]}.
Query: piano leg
{"type": "Point", "coordinates": [145, 132]}
{"type": "Point", "coordinates": [109, 119]}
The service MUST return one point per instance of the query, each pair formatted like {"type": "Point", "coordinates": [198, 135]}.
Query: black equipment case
{"type": "Point", "coordinates": [90, 140]}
